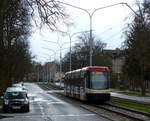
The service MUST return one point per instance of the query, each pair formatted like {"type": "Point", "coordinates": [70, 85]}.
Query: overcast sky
{"type": "Point", "coordinates": [108, 25]}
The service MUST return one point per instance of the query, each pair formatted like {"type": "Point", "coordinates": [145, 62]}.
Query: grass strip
{"type": "Point", "coordinates": [131, 104]}
{"type": "Point", "coordinates": [54, 86]}
{"type": "Point", "coordinates": [1, 101]}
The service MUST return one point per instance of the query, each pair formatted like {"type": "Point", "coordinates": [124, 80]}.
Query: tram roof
{"type": "Point", "coordinates": [90, 68]}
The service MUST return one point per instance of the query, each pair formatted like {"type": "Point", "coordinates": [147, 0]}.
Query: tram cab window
{"type": "Point", "coordinates": [99, 80]}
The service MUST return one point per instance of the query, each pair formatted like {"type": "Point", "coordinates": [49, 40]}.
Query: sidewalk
{"type": "Point", "coordinates": [134, 98]}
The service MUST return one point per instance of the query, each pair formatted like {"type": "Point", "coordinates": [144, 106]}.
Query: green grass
{"type": "Point", "coordinates": [1, 101]}
{"type": "Point", "coordinates": [131, 104]}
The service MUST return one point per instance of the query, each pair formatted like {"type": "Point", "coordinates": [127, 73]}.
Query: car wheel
{"type": "Point", "coordinates": [5, 110]}
{"type": "Point", "coordinates": [27, 108]}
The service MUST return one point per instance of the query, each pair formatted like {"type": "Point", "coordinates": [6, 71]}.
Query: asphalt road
{"type": "Point", "coordinates": [46, 107]}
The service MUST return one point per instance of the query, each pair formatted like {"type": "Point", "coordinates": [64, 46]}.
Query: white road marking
{"type": "Point", "coordinates": [55, 91]}
{"type": "Point", "coordinates": [41, 109]}
{"type": "Point", "coordinates": [75, 115]}
{"type": "Point", "coordinates": [57, 115]}
{"type": "Point", "coordinates": [55, 103]}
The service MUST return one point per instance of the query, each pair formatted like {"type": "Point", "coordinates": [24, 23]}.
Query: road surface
{"type": "Point", "coordinates": [46, 107]}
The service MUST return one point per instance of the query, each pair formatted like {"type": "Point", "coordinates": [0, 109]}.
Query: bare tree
{"type": "Point", "coordinates": [80, 53]}
{"type": "Point", "coordinates": [15, 17]}
{"type": "Point", "coordinates": [15, 29]}
{"type": "Point", "coordinates": [50, 12]}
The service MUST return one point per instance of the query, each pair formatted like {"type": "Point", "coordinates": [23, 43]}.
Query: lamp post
{"type": "Point", "coordinates": [90, 14]}
{"type": "Point", "coordinates": [60, 46]}
{"type": "Point", "coordinates": [49, 68]}
{"type": "Point", "coordinates": [45, 69]}
{"type": "Point", "coordinates": [70, 38]}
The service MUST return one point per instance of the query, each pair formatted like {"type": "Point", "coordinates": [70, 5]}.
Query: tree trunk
{"type": "Point", "coordinates": [143, 90]}
{"type": "Point", "coordinates": [142, 84]}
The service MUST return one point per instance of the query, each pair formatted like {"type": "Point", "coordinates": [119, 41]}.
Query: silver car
{"type": "Point", "coordinates": [15, 99]}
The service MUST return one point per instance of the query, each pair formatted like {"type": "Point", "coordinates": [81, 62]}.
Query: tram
{"type": "Point", "coordinates": [88, 84]}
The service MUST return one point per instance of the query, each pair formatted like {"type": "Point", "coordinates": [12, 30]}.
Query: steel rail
{"type": "Point", "coordinates": [129, 109]}
{"type": "Point", "coordinates": [107, 108]}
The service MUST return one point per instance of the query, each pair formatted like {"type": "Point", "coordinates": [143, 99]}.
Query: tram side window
{"type": "Point", "coordinates": [87, 79]}
{"type": "Point", "coordinates": [78, 75]}
{"type": "Point", "coordinates": [82, 75]}
{"type": "Point", "coordinates": [68, 77]}
{"type": "Point", "coordinates": [79, 79]}
{"type": "Point", "coordinates": [71, 76]}
{"type": "Point", "coordinates": [82, 79]}
{"type": "Point", "coordinates": [75, 75]}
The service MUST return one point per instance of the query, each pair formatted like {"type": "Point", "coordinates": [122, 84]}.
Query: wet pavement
{"type": "Point", "coordinates": [46, 107]}
{"type": "Point", "coordinates": [134, 98]}
{"type": "Point", "coordinates": [123, 96]}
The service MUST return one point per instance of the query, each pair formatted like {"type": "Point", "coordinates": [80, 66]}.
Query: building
{"type": "Point", "coordinates": [117, 59]}
{"type": "Point", "coordinates": [50, 70]}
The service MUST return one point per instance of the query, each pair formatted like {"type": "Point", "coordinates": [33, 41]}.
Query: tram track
{"type": "Point", "coordinates": [131, 110]}
{"type": "Point", "coordinates": [73, 101]}
{"type": "Point", "coordinates": [125, 112]}
{"type": "Point", "coordinates": [111, 109]}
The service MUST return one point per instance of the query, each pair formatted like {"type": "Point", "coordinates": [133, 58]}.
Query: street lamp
{"type": "Point", "coordinates": [60, 46]}
{"type": "Point", "coordinates": [90, 14]}
{"type": "Point", "coordinates": [70, 38]}
{"type": "Point", "coordinates": [45, 69]}
{"type": "Point", "coordinates": [49, 69]}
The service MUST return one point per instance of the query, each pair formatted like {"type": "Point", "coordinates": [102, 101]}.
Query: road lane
{"type": "Point", "coordinates": [46, 107]}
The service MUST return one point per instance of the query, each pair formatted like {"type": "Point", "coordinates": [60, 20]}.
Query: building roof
{"type": "Point", "coordinates": [113, 53]}
{"type": "Point", "coordinates": [49, 64]}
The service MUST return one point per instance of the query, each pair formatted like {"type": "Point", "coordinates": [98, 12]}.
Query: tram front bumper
{"type": "Point", "coordinates": [98, 97]}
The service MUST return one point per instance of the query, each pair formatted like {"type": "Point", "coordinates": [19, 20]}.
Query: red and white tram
{"type": "Point", "coordinates": [88, 84]}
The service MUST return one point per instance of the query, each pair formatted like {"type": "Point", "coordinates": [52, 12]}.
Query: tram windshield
{"type": "Point", "coordinates": [99, 80]}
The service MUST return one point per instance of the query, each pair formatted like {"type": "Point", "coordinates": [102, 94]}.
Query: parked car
{"type": "Point", "coordinates": [15, 98]}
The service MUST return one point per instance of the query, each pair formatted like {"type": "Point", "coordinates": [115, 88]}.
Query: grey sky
{"type": "Point", "coordinates": [108, 25]}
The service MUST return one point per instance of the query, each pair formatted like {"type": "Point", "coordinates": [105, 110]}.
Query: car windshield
{"type": "Point", "coordinates": [99, 80]}
{"type": "Point", "coordinates": [15, 95]}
